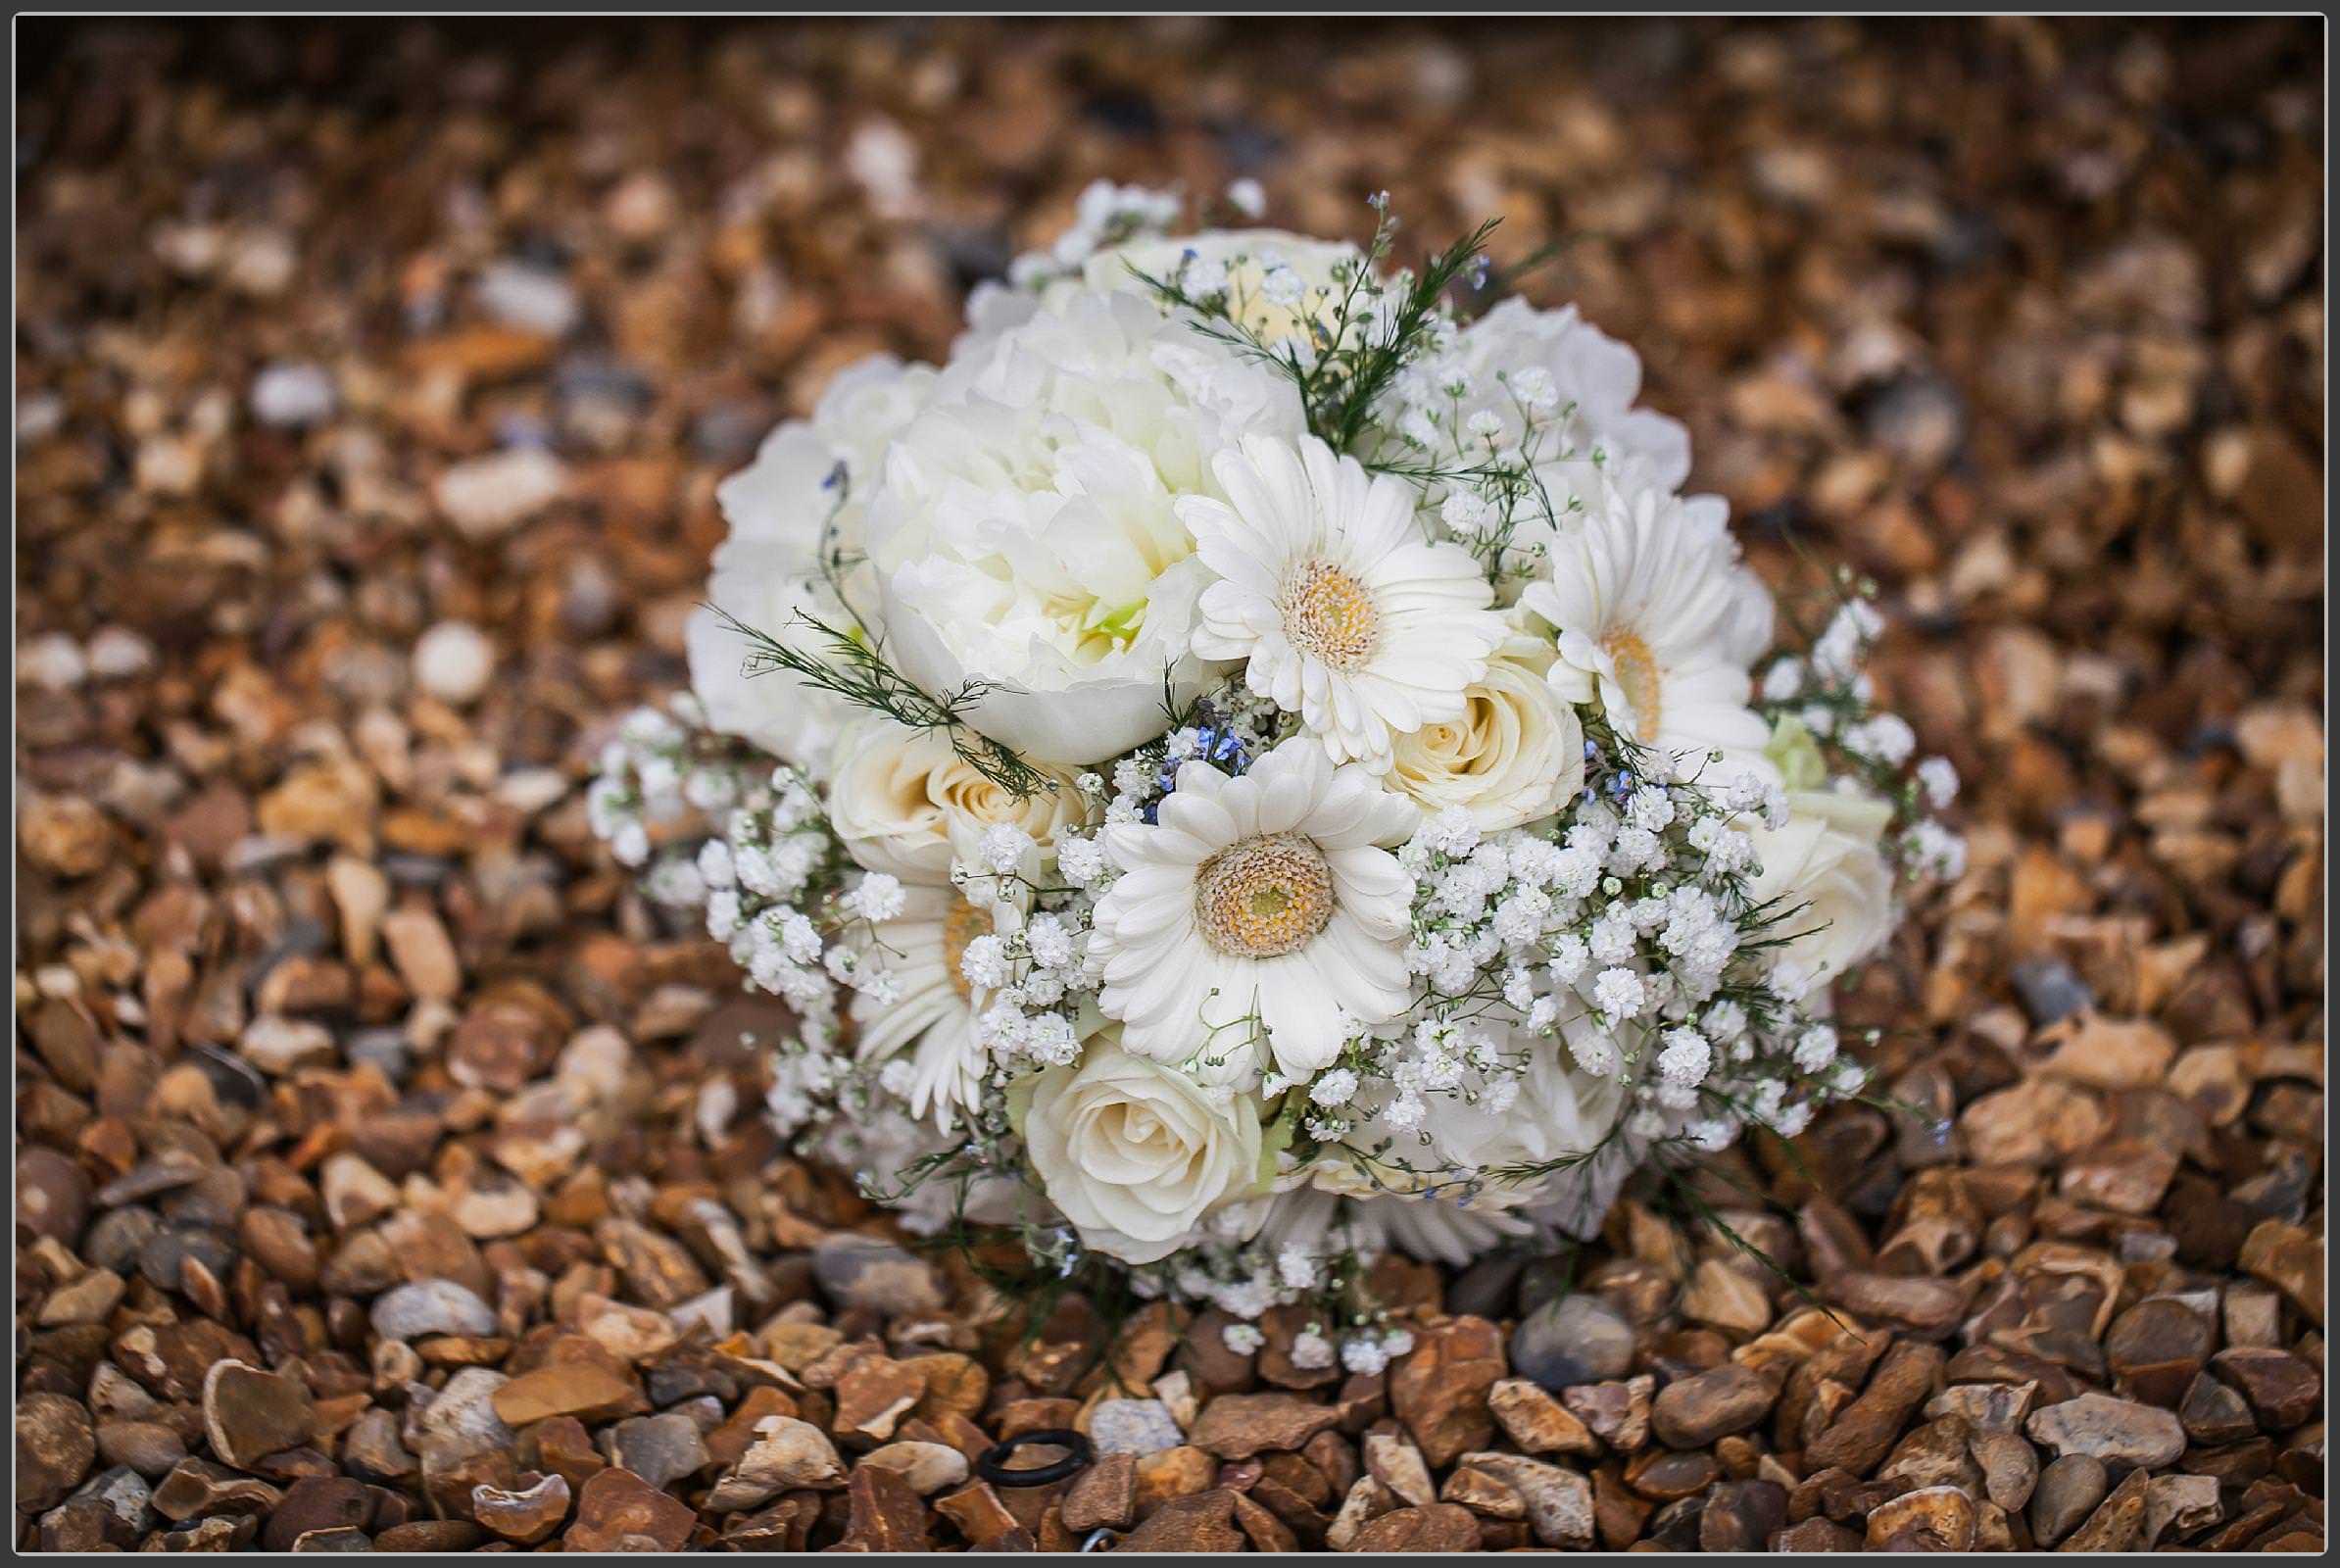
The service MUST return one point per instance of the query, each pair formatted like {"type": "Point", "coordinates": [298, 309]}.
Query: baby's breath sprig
{"type": "Point", "coordinates": [1353, 381]}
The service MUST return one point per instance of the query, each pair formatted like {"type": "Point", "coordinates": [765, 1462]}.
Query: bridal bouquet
{"type": "Point", "coordinates": [1249, 765]}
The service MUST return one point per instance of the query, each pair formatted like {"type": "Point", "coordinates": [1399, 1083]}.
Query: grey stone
{"type": "Point", "coordinates": [431, 1307]}
{"type": "Point", "coordinates": [2050, 989]}
{"type": "Point", "coordinates": [460, 1421]}
{"type": "Point", "coordinates": [1576, 1340]}
{"type": "Point", "coordinates": [1134, 1426]}
{"type": "Point", "coordinates": [1485, 1289]}
{"type": "Point", "coordinates": [659, 1448]}
{"type": "Point", "coordinates": [863, 1271]}
{"type": "Point", "coordinates": [2106, 1428]}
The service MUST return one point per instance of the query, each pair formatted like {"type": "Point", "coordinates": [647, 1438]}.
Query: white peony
{"type": "Point", "coordinates": [1516, 753]}
{"type": "Point", "coordinates": [1834, 887]}
{"type": "Point", "coordinates": [804, 498]}
{"type": "Point", "coordinates": [906, 802]}
{"type": "Point", "coordinates": [1135, 1153]}
{"type": "Point", "coordinates": [1026, 533]}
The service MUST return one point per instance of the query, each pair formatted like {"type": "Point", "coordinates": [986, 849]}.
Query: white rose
{"type": "Point", "coordinates": [788, 510]}
{"type": "Point", "coordinates": [906, 802]}
{"type": "Point", "coordinates": [1026, 533]}
{"type": "Point", "coordinates": [1135, 1153]}
{"type": "Point", "coordinates": [1245, 257]}
{"type": "Point", "coordinates": [1825, 870]}
{"type": "Point", "coordinates": [1517, 753]}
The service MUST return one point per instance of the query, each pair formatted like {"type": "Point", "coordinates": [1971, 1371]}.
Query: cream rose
{"type": "Point", "coordinates": [1135, 1153]}
{"type": "Point", "coordinates": [1516, 754]}
{"type": "Point", "coordinates": [1825, 870]}
{"type": "Point", "coordinates": [905, 803]}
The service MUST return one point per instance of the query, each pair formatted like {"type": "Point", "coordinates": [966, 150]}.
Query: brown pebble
{"type": "Point", "coordinates": [313, 1503]}
{"type": "Point", "coordinates": [2117, 1522]}
{"type": "Point", "coordinates": [54, 1446]}
{"type": "Point", "coordinates": [1441, 1527]}
{"type": "Point", "coordinates": [1816, 1534]}
{"type": "Point", "coordinates": [2282, 1390]}
{"type": "Point", "coordinates": [526, 1514]}
{"type": "Point", "coordinates": [1943, 1516]}
{"type": "Point", "coordinates": [2068, 1491]}
{"type": "Point", "coordinates": [618, 1506]}
{"type": "Point", "coordinates": [249, 1412]}
{"type": "Point", "coordinates": [580, 1388]}
{"type": "Point", "coordinates": [1199, 1523]}
{"type": "Point", "coordinates": [1104, 1495]}
{"type": "Point", "coordinates": [430, 1535]}
{"type": "Point", "coordinates": [1538, 1422]}
{"type": "Point", "coordinates": [1439, 1389]}
{"type": "Point", "coordinates": [1742, 1516]}
{"type": "Point", "coordinates": [1865, 1430]}
{"type": "Point", "coordinates": [1693, 1412]}
{"type": "Point", "coordinates": [1235, 1426]}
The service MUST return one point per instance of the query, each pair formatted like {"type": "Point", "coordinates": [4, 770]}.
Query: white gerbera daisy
{"type": "Point", "coordinates": [1656, 618]}
{"type": "Point", "coordinates": [1346, 614]}
{"type": "Point", "coordinates": [1257, 900]}
{"type": "Point", "coordinates": [932, 1008]}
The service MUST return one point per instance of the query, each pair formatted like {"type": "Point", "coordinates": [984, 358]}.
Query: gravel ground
{"type": "Point", "coordinates": [388, 1172]}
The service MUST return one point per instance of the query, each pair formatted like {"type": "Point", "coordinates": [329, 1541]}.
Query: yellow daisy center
{"type": "Point", "coordinates": [1330, 615]}
{"type": "Point", "coordinates": [1638, 673]}
{"type": "Point", "coordinates": [1264, 896]}
{"type": "Point", "coordinates": [963, 926]}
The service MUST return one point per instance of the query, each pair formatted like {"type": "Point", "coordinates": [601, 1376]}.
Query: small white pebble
{"type": "Point", "coordinates": [497, 491]}
{"type": "Point", "coordinates": [533, 299]}
{"type": "Point", "coordinates": [290, 396]}
{"type": "Point", "coordinates": [454, 661]}
{"type": "Point", "coordinates": [53, 662]}
{"type": "Point", "coordinates": [117, 653]}
{"type": "Point", "coordinates": [40, 415]}
{"type": "Point", "coordinates": [261, 262]}
{"type": "Point", "coordinates": [533, 789]}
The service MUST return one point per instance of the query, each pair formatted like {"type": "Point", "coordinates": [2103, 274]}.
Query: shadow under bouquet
{"type": "Point", "coordinates": [1251, 764]}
